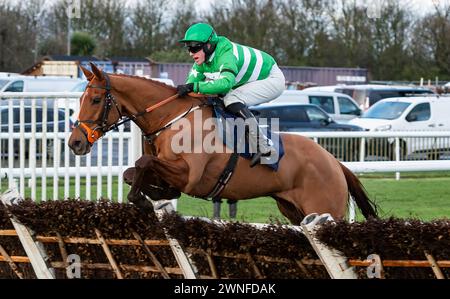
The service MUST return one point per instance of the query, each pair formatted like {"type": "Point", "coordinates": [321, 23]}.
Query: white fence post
{"type": "Point", "coordinates": [34, 249]}
{"type": "Point", "coordinates": [136, 142]}
{"type": "Point", "coordinates": [333, 260]}
{"type": "Point", "coordinates": [184, 261]}
{"type": "Point", "coordinates": [23, 167]}
{"type": "Point", "coordinates": [397, 156]}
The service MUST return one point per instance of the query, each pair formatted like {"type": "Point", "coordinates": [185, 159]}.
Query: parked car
{"type": "Point", "coordinates": [411, 114]}
{"type": "Point", "coordinates": [301, 117]}
{"type": "Point", "coordinates": [340, 107]}
{"type": "Point", "coordinates": [308, 117]}
{"type": "Point", "coordinates": [367, 95]}
{"type": "Point", "coordinates": [4, 127]}
{"type": "Point", "coordinates": [7, 75]}
{"type": "Point", "coordinates": [328, 88]}
{"type": "Point", "coordinates": [37, 84]}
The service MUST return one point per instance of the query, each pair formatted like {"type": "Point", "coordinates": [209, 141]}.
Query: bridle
{"type": "Point", "coordinates": [102, 127]}
{"type": "Point", "coordinates": [92, 135]}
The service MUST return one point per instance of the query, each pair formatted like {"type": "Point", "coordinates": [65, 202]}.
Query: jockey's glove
{"type": "Point", "coordinates": [184, 89]}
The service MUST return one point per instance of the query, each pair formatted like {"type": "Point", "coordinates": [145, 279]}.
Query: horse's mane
{"type": "Point", "coordinates": [162, 84]}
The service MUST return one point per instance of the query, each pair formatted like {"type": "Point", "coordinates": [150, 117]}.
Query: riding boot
{"type": "Point", "coordinates": [232, 204]}
{"type": "Point", "coordinates": [216, 208]}
{"type": "Point", "coordinates": [257, 139]}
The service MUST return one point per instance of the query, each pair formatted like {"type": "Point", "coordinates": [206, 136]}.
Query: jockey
{"type": "Point", "coordinates": [245, 76]}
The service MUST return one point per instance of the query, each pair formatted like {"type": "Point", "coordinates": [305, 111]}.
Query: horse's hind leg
{"type": "Point", "coordinates": [318, 200]}
{"type": "Point", "coordinates": [289, 210]}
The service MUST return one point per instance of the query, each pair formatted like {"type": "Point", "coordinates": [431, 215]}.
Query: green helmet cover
{"type": "Point", "coordinates": [200, 32]}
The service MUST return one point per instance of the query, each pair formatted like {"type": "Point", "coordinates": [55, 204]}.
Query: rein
{"type": "Point", "coordinates": [102, 127]}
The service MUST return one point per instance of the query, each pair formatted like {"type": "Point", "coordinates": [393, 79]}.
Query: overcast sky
{"type": "Point", "coordinates": [420, 6]}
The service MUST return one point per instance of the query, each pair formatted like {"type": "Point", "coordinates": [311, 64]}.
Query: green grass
{"type": "Point", "coordinates": [260, 210]}
{"type": "Point", "coordinates": [411, 197]}
{"type": "Point", "coordinates": [49, 184]}
{"type": "Point", "coordinates": [424, 196]}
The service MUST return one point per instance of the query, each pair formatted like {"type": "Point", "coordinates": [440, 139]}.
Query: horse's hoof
{"type": "Point", "coordinates": [128, 175]}
{"type": "Point", "coordinates": [160, 205]}
{"type": "Point", "coordinates": [324, 218]}
{"type": "Point", "coordinates": [135, 198]}
{"type": "Point", "coordinates": [310, 218]}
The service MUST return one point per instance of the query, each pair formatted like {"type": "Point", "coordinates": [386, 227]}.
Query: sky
{"type": "Point", "coordinates": [420, 6]}
{"type": "Point", "coordinates": [417, 5]}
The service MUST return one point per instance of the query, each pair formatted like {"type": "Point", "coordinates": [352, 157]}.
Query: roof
{"type": "Point", "coordinates": [129, 59]}
{"type": "Point", "coordinates": [71, 58]}
{"type": "Point", "coordinates": [382, 87]}
{"type": "Point", "coordinates": [414, 99]}
{"type": "Point", "coordinates": [278, 104]}
{"type": "Point", "coordinates": [312, 92]}
{"type": "Point", "coordinates": [39, 63]}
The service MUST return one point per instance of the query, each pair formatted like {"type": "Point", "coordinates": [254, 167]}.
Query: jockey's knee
{"type": "Point", "coordinates": [233, 98]}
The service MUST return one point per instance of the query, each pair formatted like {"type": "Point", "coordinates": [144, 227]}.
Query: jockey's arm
{"type": "Point", "coordinates": [227, 68]}
{"type": "Point", "coordinates": [195, 75]}
{"type": "Point", "coordinates": [220, 86]}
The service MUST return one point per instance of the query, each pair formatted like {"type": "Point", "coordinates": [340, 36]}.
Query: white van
{"type": "Point", "coordinates": [410, 114]}
{"type": "Point", "coordinates": [37, 84]}
{"type": "Point", "coordinates": [340, 107]}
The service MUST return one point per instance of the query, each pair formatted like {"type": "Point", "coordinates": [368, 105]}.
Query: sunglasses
{"type": "Point", "coordinates": [194, 48]}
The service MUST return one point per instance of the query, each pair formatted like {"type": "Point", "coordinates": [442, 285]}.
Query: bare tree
{"type": "Point", "coordinates": [390, 44]}
{"type": "Point", "coordinates": [17, 35]}
{"type": "Point", "coordinates": [249, 22]}
{"type": "Point", "coordinates": [302, 31]}
{"type": "Point", "coordinates": [147, 26]}
{"type": "Point", "coordinates": [434, 32]}
{"type": "Point", "coordinates": [352, 31]}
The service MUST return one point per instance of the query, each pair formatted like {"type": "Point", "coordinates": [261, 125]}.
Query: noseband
{"type": "Point", "coordinates": [102, 127]}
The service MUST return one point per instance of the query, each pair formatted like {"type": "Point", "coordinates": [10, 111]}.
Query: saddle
{"type": "Point", "coordinates": [233, 138]}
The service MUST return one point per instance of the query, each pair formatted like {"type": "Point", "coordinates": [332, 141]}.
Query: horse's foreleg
{"type": "Point", "coordinates": [147, 178]}
{"type": "Point", "coordinates": [135, 177]}
{"type": "Point", "coordinates": [175, 173]}
{"type": "Point", "coordinates": [153, 186]}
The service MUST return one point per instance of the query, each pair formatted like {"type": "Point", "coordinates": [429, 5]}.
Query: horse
{"type": "Point", "coordinates": [308, 180]}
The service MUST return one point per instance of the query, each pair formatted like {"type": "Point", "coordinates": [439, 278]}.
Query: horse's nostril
{"type": "Point", "coordinates": [76, 145]}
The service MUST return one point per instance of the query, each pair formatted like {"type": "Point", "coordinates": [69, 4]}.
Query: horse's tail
{"type": "Point", "coordinates": [359, 194]}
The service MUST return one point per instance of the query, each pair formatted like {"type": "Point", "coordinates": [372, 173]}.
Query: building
{"type": "Point", "coordinates": [294, 75]}
{"type": "Point", "coordinates": [61, 65]}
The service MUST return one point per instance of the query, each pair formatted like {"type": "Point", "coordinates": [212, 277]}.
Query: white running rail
{"type": "Point", "coordinates": [34, 151]}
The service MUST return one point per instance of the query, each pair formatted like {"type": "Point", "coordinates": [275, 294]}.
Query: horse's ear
{"type": "Point", "coordinates": [97, 72]}
{"type": "Point", "coordinates": [89, 75]}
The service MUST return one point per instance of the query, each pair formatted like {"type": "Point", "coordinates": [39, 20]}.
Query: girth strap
{"type": "Point", "coordinates": [225, 176]}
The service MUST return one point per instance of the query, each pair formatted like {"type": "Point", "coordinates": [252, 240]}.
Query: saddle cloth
{"type": "Point", "coordinates": [233, 138]}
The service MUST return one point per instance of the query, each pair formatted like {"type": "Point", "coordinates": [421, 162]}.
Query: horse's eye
{"type": "Point", "coordinates": [97, 100]}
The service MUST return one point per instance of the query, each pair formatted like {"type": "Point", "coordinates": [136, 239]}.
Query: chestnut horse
{"type": "Point", "coordinates": [308, 180]}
